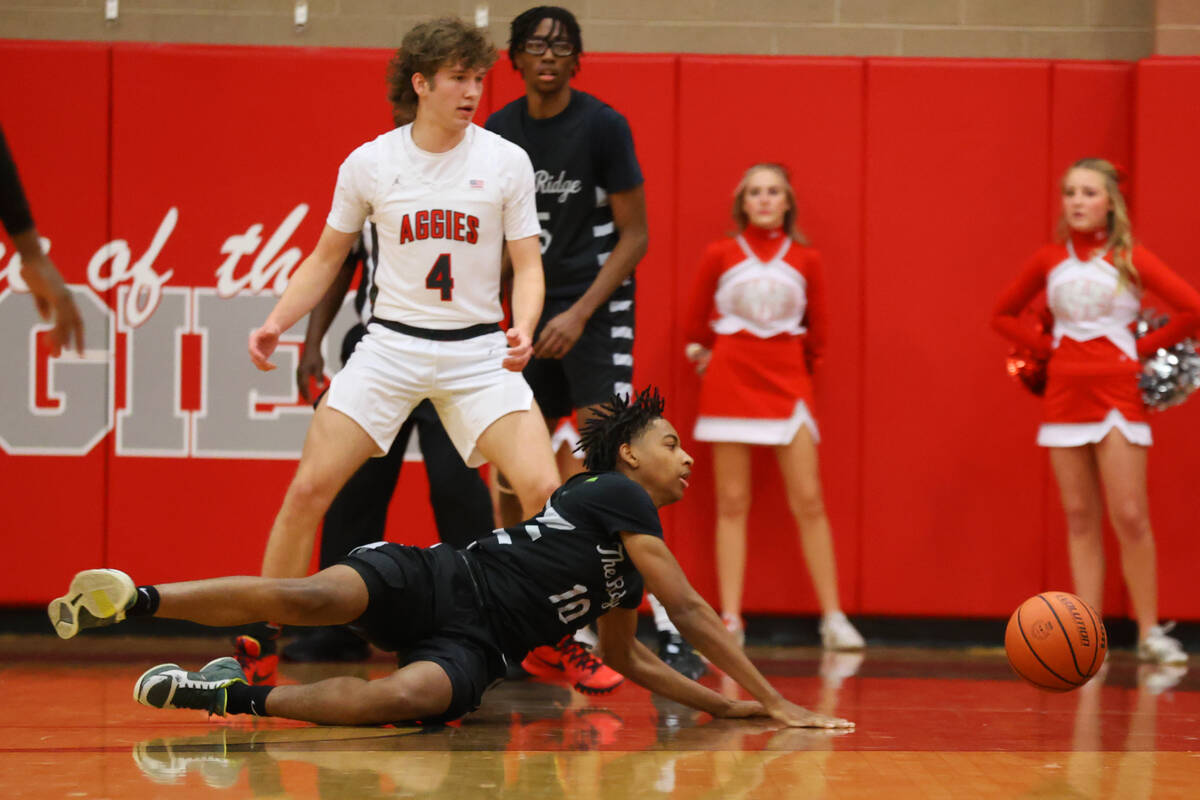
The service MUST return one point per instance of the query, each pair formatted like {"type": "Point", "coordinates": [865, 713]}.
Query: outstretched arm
{"type": "Point", "coordinates": [624, 653]}
{"type": "Point", "coordinates": [701, 626]}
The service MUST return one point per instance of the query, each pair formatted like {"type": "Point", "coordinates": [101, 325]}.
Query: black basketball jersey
{"type": "Point", "coordinates": [551, 575]}
{"type": "Point", "coordinates": [579, 156]}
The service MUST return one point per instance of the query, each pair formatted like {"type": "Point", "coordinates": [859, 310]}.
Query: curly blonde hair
{"type": "Point", "coordinates": [427, 48]}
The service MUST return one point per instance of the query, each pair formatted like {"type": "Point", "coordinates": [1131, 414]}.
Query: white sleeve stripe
{"type": "Point", "coordinates": [602, 230]}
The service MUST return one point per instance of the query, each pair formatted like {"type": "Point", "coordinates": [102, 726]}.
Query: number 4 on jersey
{"type": "Point", "coordinates": [439, 278]}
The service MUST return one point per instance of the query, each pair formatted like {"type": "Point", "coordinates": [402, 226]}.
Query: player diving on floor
{"type": "Point", "coordinates": [460, 616]}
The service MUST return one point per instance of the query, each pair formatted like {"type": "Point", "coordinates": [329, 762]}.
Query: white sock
{"type": "Point", "coordinates": [661, 621]}
{"type": "Point", "coordinates": [587, 637]}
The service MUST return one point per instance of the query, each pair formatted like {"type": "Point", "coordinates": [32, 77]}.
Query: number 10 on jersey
{"type": "Point", "coordinates": [574, 609]}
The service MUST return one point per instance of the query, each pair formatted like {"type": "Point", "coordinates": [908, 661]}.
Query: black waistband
{"type": "Point", "coordinates": [449, 335]}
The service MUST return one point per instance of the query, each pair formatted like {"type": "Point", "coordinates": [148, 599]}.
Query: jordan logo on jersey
{"type": "Point", "coordinates": [440, 223]}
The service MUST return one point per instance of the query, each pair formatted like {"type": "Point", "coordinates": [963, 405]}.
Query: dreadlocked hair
{"type": "Point", "coordinates": [617, 421]}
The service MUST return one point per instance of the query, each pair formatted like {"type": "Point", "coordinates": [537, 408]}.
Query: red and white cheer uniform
{"type": "Point", "coordinates": [1092, 376]}
{"type": "Point", "coordinates": [758, 303]}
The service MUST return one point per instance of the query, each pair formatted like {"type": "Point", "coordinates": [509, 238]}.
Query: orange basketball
{"type": "Point", "coordinates": [1055, 641]}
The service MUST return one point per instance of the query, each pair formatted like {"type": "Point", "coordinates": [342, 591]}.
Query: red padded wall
{"type": "Point", "coordinates": [924, 184]}
{"type": "Point", "coordinates": [955, 186]}
{"type": "Point", "coordinates": [733, 112]}
{"type": "Point", "coordinates": [1168, 116]}
{"type": "Point", "coordinates": [54, 108]}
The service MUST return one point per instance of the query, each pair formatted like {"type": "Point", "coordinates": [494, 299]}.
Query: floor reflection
{"type": "Point", "coordinates": [950, 722]}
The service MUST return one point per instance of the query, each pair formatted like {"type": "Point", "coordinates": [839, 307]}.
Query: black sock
{"type": "Point", "coordinates": [242, 698]}
{"type": "Point", "coordinates": [145, 602]}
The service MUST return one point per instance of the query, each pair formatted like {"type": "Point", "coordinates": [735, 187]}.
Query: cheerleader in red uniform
{"type": "Point", "coordinates": [756, 326]}
{"type": "Point", "coordinates": [1094, 419]}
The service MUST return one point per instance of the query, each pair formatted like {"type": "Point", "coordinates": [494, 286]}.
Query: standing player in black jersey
{"type": "Point", "coordinates": [592, 206]}
{"type": "Point", "coordinates": [461, 614]}
{"type": "Point", "coordinates": [461, 504]}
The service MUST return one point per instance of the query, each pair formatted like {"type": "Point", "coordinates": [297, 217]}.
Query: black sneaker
{"type": "Point", "coordinates": [170, 686]}
{"type": "Point", "coordinates": [327, 643]}
{"type": "Point", "coordinates": [679, 655]}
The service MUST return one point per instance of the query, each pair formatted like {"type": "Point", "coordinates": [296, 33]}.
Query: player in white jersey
{"type": "Point", "coordinates": [445, 196]}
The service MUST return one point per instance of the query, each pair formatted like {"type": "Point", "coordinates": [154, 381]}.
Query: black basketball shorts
{"type": "Point", "coordinates": [423, 605]}
{"type": "Point", "coordinates": [597, 367]}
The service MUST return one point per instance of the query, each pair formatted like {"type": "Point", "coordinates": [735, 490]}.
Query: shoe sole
{"type": "Point", "coordinates": [104, 593]}
{"type": "Point", "coordinates": [233, 663]}
{"type": "Point", "coordinates": [594, 691]}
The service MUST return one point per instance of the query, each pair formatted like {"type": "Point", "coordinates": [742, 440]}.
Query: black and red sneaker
{"type": "Point", "coordinates": [572, 663]}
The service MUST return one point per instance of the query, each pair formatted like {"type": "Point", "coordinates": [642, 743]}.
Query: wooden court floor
{"type": "Point", "coordinates": [931, 724]}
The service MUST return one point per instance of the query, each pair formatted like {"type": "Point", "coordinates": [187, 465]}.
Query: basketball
{"type": "Point", "coordinates": [1055, 641]}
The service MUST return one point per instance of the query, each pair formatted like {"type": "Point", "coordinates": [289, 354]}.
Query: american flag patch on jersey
{"type": "Point", "coordinates": [475, 183]}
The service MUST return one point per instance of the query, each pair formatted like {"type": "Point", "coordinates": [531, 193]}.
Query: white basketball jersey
{"type": "Point", "coordinates": [442, 219]}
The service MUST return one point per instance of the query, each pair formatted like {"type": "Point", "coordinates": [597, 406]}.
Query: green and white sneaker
{"type": "Point", "coordinates": [170, 686]}
{"type": "Point", "coordinates": [97, 597]}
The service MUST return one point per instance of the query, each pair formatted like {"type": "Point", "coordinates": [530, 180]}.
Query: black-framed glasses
{"type": "Point", "coordinates": [538, 46]}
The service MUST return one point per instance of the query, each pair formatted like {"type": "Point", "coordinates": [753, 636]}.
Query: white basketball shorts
{"type": "Point", "coordinates": [389, 373]}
